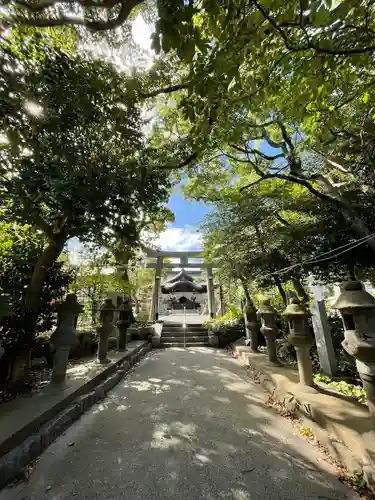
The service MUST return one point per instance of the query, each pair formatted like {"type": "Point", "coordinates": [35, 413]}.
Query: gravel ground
{"type": "Point", "coordinates": [185, 424]}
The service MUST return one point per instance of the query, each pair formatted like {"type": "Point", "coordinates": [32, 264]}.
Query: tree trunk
{"type": "Point", "coordinates": [245, 289]}
{"type": "Point", "coordinates": [34, 289]}
{"type": "Point", "coordinates": [281, 289]}
{"type": "Point", "coordinates": [346, 209]}
{"type": "Point", "coordinates": [299, 288]}
{"type": "Point", "coordinates": [136, 304]}
{"type": "Point", "coordinates": [41, 268]}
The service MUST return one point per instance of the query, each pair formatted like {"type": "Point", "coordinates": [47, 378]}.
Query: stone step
{"type": "Point", "coordinates": [182, 334]}
{"type": "Point", "coordinates": [181, 329]}
{"type": "Point", "coordinates": [180, 340]}
{"type": "Point", "coordinates": [176, 327]}
{"type": "Point", "coordinates": [179, 344]}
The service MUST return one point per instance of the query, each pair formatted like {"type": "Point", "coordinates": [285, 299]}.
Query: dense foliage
{"type": "Point", "coordinates": [20, 246]}
{"type": "Point", "coordinates": [266, 106]}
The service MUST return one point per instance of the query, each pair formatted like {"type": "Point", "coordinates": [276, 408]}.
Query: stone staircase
{"type": "Point", "coordinates": [173, 335]}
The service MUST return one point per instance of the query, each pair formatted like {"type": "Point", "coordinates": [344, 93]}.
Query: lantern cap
{"type": "Point", "coordinates": [265, 307]}
{"type": "Point", "coordinates": [108, 305]}
{"type": "Point", "coordinates": [354, 296]}
{"type": "Point", "coordinates": [295, 308]}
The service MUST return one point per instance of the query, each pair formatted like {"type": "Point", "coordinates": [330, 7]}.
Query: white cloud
{"type": "Point", "coordinates": [173, 239]}
{"type": "Point", "coordinates": [180, 239]}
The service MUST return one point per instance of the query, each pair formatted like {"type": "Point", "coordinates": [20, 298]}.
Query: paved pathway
{"type": "Point", "coordinates": [184, 425]}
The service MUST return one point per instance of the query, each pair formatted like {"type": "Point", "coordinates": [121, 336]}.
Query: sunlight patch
{"type": "Point", "coordinates": [240, 494]}
{"type": "Point", "coordinates": [203, 459]}
{"type": "Point", "coordinates": [147, 386]}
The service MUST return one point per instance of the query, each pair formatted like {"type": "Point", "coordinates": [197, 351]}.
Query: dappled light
{"type": "Point", "coordinates": [190, 176]}
{"type": "Point", "coordinates": [196, 423]}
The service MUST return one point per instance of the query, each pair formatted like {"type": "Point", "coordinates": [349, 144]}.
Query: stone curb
{"type": "Point", "coordinates": [76, 404]}
{"type": "Point", "coordinates": [312, 417]}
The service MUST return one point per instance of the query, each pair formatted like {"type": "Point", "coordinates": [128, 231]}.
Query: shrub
{"type": "Point", "coordinates": [228, 327]}
{"type": "Point", "coordinates": [142, 319]}
{"type": "Point", "coordinates": [87, 344]}
{"type": "Point", "coordinates": [354, 391]}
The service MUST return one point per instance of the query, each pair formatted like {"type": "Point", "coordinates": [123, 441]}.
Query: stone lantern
{"type": "Point", "coordinates": [64, 337]}
{"type": "Point", "coordinates": [106, 317]}
{"type": "Point", "coordinates": [357, 309]}
{"type": "Point", "coordinates": [126, 318]}
{"type": "Point", "coordinates": [267, 314]}
{"type": "Point", "coordinates": [301, 339]}
{"type": "Point", "coordinates": [251, 325]}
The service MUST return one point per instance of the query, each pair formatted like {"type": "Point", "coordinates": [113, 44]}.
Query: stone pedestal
{"type": "Point", "coordinates": [60, 363]}
{"type": "Point", "coordinates": [300, 337]}
{"type": "Point", "coordinates": [107, 310]}
{"type": "Point", "coordinates": [213, 340]}
{"type": "Point", "coordinates": [122, 339]}
{"type": "Point", "coordinates": [267, 315]}
{"type": "Point", "coordinates": [305, 370]}
{"type": "Point", "coordinates": [64, 337]}
{"type": "Point", "coordinates": [357, 309]}
{"type": "Point", "coordinates": [251, 325]}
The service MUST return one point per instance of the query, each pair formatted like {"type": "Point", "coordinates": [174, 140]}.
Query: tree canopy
{"type": "Point", "coordinates": [267, 107]}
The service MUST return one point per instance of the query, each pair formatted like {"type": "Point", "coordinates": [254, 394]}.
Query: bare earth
{"type": "Point", "coordinates": [185, 424]}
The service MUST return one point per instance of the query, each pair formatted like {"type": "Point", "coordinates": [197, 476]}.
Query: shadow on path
{"type": "Point", "coordinates": [185, 424]}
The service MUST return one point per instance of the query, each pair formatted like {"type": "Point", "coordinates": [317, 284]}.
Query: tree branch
{"type": "Point", "coordinates": [271, 142]}
{"type": "Point", "coordinates": [183, 164]}
{"type": "Point", "coordinates": [296, 180]}
{"type": "Point", "coordinates": [45, 4]}
{"type": "Point", "coordinates": [285, 135]}
{"type": "Point", "coordinates": [272, 22]}
{"type": "Point", "coordinates": [166, 90]}
{"type": "Point", "coordinates": [257, 152]}
{"type": "Point", "coordinates": [310, 45]}
{"type": "Point", "coordinates": [282, 220]}
{"type": "Point", "coordinates": [126, 7]}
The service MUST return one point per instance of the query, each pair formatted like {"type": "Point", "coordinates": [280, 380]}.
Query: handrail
{"type": "Point", "coordinates": [184, 326]}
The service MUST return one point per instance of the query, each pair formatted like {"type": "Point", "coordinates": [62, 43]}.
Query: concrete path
{"type": "Point", "coordinates": [186, 424]}
{"type": "Point", "coordinates": [25, 414]}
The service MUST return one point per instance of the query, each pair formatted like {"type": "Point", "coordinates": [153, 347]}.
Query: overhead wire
{"type": "Point", "coordinates": [347, 248]}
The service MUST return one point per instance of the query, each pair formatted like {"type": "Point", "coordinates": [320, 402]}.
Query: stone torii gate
{"type": "Point", "coordinates": [184, 263]}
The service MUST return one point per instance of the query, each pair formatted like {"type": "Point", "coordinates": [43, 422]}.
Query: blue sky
{"type": "Point", "coordinates": [184, 233]}
{"type": "Point", "coordinates": [186, 212]}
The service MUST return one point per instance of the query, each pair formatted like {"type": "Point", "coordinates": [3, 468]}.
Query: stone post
{"type": "Point", "coordinates": [64, 337]}
{"type": "Point", "coordinates": [267, 314]}
{"type": "Point", "coordinates": [125, 320]}
{"type": "Point", "coordinates": [357, 309]}
{"type": "Point", "coordinates": [156, 290]}
{"type": "Point", "coordinates": [322, 332]}
{"type": "Point", "coordinates": [251, 325]}
{"type": "Point", "coordinates": [210, 292]}
{"type": "Point", "coordinates": [105, 329]}
{"type": "Point", "coordinates": [300, 337]}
